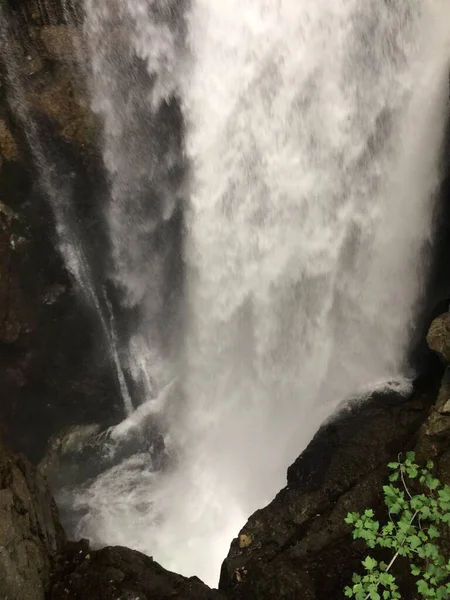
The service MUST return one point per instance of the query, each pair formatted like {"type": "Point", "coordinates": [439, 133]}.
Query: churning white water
{"type": "Point", "coordinates": [312, 134]}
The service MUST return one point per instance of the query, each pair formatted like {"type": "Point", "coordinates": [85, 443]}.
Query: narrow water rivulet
{"type": "Point", "coordinates": [273, 168]}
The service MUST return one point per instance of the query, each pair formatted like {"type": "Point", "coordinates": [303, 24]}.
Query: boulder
{"type": "Point", "coordinates": [30, 533]}
{"type": "Point", "coordinates": [119, 573]}
{"type": "Point", "coordinates": [438, 337]}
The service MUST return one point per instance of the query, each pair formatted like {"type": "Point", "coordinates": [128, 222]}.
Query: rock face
{"type": "Point", "coordinates": [48, 338]}
{"type": "Point", "coordinates": [37, 563]}
{"type": "Point", "coordinates": [438, 337]}
{"type": "Point", "coordinates": [299, 545]}
{"type": "Point", "coordinates": [48, 374]}
{"type": "Point", "coordinates": [30, 533]}
{"type": "Point", "coordinates": [119, 573]}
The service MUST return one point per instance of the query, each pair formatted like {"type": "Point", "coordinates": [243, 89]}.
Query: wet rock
{"type": "Point", "coordinates": [47, 54]}
{"type": "Point", "coordinates": [61, 43]}
{"type": "Point", "coordinates": [438, 337]}
{"type": "Point", "coordinates": [8, 146]}
{"type": "Point", "coordinates": [30, 533]}
{"type": "Point", "coordinates": [70, 440]}
{"type": "Point", "coordinates": [300, 545]}
{"type": "Point", "coordinates": [40, 12]}
{"type": "Point", "coordinates": [54, 366]}
{"type": "Point", "coordinates": [15, 317]}
{"type": "Point", "coordinates": [59, 98]}
{"type": "Point", "coordinates": [119, 573]}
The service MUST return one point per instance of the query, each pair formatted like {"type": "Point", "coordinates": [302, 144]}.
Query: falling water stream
{"type": "Point", "coordinates": [273, 168]}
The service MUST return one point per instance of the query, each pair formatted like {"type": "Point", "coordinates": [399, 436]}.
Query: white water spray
{"type": "Point", "coordinates": [135, 49]}
{"type": "Point", "coordinates": [313, 131]}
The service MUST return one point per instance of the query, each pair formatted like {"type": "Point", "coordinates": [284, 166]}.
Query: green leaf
{"type": "Point", "coordinates": [390, 491]}
{"type": "Point", "coordinates": [386, 579]}
{"type": "Point", "coordinates": [395, 509]}
{"type": "Point", "coordinates": [422, 587]}
{"type": "Point", "coordinates": [431, 550]}
{"type": "Point", "coordinates": [393, 465]}
{"type": "Point", "coordinates": [370, 563]}
{"type": "Point", "coordinates": [425, 512]}
{"type": "Point", "coordinates": [412, 472]}
{"type": "Point", "coordinates": [432, 483]}
{"type": "Point", "coordinates": [388, 528]}
{"type": "Point", "coordinates": [444, 494]}
{"type": "Point", "coordinates": [414, 541]}
{"type": "Point", "coordinates": [415, 571]}
{"type": "Point", "coordinates": [433, 532]}
{"type": "Point", "coordinates": [404, 526]}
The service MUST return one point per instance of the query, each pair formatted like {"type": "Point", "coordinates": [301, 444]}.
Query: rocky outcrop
{"type": "Point", "coordinates": [438, 337]}
{"type": "Point", "coordinates": [30, 534]}
{"type": "Point", "coordinates": [117, 572]}
{"type": "Point", "coordinates": [299, 546]}
{"type": "Point", "coordinates": [37, 563]}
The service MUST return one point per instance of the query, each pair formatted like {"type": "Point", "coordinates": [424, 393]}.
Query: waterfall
{"type": "Point", "coordinates": [135, 49]}
{"type": "Point", "coordinates": [313, 129]}
{"type": "Point", "coordinates": [300, 140]}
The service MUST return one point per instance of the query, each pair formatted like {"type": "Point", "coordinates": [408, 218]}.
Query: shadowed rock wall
{"type": "Point", "coordinates": [54, 368]}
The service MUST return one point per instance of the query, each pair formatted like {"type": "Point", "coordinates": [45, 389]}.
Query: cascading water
{"type": "Point", "coordinates": [312, 134]}
{"type": "Point", "coordinates": [134, 73]}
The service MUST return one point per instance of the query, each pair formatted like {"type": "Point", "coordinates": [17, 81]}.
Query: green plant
{"type": "Point", "coordinates": [412, 532]}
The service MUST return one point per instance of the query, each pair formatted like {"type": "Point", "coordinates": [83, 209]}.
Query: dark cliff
{"type": "Point", "coordinates": [50, 342]}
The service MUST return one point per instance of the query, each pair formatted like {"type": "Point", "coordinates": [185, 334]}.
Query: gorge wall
{"type": "Point", "coordinates": [53, 374]}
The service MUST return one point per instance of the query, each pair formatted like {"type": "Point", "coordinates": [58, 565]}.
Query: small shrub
{"type": "Point", "coordinates": [411, 532]}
